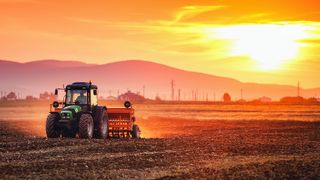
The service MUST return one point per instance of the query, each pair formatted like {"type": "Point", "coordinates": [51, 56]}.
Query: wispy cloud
{"type": "Point", "coordinates": [192, 11]}
{"type": "Point", "coordinates": [259, 17]}
{"type": "Point", "coordinates": [178, 21]}
{"type": "Point", "coordinates": [310, 41]}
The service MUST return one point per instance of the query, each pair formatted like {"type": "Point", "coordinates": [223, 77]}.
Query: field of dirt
{"type": "Point", "coordinates": [172, 148]}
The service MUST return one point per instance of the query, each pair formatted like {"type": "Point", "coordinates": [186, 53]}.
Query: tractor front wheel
{"type": "Point", "coordinates": [135, 131]}
{"type": "Point", "coordinates": [52, 129]}
{"type": "Point", "coordinates": [86, 126]}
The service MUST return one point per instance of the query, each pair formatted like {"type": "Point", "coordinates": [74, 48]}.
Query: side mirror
{"type": "Point", "coordinates": [56, 91]}
{"type": "Point", "coordinates": [55, 104]}
{"type": "Point", "coordinates": [95, 92]}
{"type": "Point", "coordinates": [127, 104]}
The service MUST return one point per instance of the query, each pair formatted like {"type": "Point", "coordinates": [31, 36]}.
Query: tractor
{"type": "Point", "coordinates": [79, 114]}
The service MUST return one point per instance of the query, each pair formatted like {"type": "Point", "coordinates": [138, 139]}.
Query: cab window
{"type": "Point", "coordinates": [76, 97]}
{"type": "Point", "coordinates": [94, 98]}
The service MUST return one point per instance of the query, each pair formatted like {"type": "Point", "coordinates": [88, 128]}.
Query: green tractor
{"type": "Point", "coordinates": [79, 114]}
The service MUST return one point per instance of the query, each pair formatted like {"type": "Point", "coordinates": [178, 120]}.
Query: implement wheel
{"type": "Point", "coordinates": [135, 131]}
{"type": "Point", "coordinates": [52, 129]}
{"type": "Point", "coordinates": [86, 126]}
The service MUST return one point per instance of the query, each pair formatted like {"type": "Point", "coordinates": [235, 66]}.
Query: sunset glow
{"type": "Point", "coordinates": [160, 89]}
{"type": "Point", "coordinates": [258, 41]}
{"type": "Point", "coordinates": [269, 45]}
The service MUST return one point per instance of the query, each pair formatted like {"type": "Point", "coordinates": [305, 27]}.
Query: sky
{"type": "Point", "coordinates": [270, 41]}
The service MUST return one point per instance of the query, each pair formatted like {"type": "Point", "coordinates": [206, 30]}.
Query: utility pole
{"type": "Point", "coordinates": [144, 90]}
{"type": "Point", "coordinates": [179, 92]}
{"type": "Point", "coordinates": [241, 94]}
{"type": "Point", "coordinates": [298, 89]}
{"type": "Point", "coordinates": [196, 96]}
{"type": "Point", "coordinates": [192, 96]}
{"type": "Point", "coordinates": [172, 90]}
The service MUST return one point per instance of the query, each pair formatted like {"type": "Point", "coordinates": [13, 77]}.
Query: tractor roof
{"type": "Point", "coordinates": [81, 85]}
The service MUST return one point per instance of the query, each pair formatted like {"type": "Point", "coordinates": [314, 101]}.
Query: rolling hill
{"type": "Point", "coordinates": [34, 77]}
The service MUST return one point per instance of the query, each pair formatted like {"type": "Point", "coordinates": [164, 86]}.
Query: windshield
{"type": "Point", "coordinates": [76, 97]}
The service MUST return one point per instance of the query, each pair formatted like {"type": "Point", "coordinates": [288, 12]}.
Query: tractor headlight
{"type": "Point", "coordinates": [65, 116]}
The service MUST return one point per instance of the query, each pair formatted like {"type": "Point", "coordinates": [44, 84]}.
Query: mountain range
{"type": "Point", "coordinates": [31, 78]}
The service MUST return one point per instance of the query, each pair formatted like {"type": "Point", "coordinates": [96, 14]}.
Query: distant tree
{"type": "Point", "coordinates": [292, 100]}
{"type": "Point", "coordinates": [312, 100]}
{"type": "Point", "coordinates": [130, 96]}
{"type": "Point", "coordinates": [11, 96]}
{"type": "Point", "coordinates": [157, 98]}
{"type": "Point", "coordinates": [226, 98]}
{"type": "Point", "coordinates": [30, 98]}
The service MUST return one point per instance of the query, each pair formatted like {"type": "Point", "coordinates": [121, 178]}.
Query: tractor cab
{"type": "Point", "coordinates": [82, 94]}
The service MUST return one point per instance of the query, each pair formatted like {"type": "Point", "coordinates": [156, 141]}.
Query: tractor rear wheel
{"type": "Point", "coordinates": [101, 124]}
{"type": "Point", "coordinates": [135, 132]}
{"type": "Point", "coordinates": [52, 129]}
{"type": "Point", "coordinates": [86, 126]}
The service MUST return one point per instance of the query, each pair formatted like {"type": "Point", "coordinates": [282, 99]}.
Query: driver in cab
{"type": "Point", "coordinates": [82, 99]}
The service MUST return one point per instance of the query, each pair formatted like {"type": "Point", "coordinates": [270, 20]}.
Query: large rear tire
{"type": "Point", "coordinates": [86, 126]}
{"type": "Point", "coordinates": [101, 123]}
{"type": "Point", "coordinates": [52, 128]}
{"type": "Point", "coordinates": [135, 132]}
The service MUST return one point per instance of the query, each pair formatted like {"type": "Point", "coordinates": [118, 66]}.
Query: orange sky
{"type": "Point", "coordinates": [249, 40]}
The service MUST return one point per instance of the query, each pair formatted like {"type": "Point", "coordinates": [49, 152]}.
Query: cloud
{"type": "Point", "coordinates": [259, 17]}
{"type": "Point", "coordinates": [188, 48]}
{"type": "Point", "coordinates": [179, 36]}
{"type": "Point", "coordinates": [191, 11]}
{"type": "Point", "coordinates": [310, 41]}
{"type": "Point", "coordinates": [180, 17]}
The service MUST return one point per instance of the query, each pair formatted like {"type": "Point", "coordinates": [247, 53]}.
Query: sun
{"type": "Point", "coordinates": [268, 45]}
